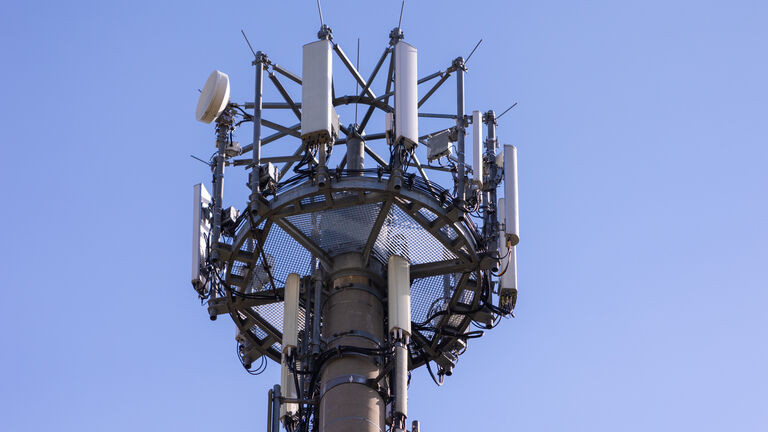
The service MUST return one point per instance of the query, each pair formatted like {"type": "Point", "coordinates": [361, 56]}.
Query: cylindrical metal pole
{"type": "Point", "coordinates": [275, 408]}
{"type": "Point", "coordinates": [355, 152]}
{"type": "Point", "coordinates": [461, 126]}
{"type": "Point", "coordinates": [353, 315]}
{"type": "Point", "coordinates": [491, 223]}
{"type": "Point", "coordinates": [316, 308]}
{"type": "Point", "coordinates": [223, 123]}
{"type": "Point", "coordinates": [269, 410]}
{"type": "Point", "coordinates": [257, 102]}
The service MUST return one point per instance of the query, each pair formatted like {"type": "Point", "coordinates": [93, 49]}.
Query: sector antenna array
{"type": "Point", "coordinates": [351, 273]}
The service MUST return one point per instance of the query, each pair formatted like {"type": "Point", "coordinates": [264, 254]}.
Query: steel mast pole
{"type": "Point", "coordinates": [223, 126]}
{"type": "Point", "coordinates": [491, 222]}
{"type": "Point", "coordinates": [353, 315]}
{"type": "Point", "coordinates": [261, 58]}
{"type": "Point", "coordinates": [461, 128]}
{"type": "Point", "coordinates": [355, 150]}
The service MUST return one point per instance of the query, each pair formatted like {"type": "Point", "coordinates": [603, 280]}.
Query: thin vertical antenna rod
{"type": "Point", "coordinates": [473, 51]}
{"type": "Point", "coordinates": [491, 217]}
{"type": "Point", "coordinates": [257, 100]}
{"type": "Point", "coordinates": [506, 110]}
{"type": "Point", "coordinates": [357, 66]}
{"type": "Point", "coordinates": [461, 128]}
{"type": "Point", "coordinates": [320, 11]}
{"type": "Point", "coordinates": [400, 21]}
{"type": "Point", "coordinates": [248, 42]}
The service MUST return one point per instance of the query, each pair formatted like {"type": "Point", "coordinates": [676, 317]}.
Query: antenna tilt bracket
{"type": "Point", "coordinates": [458, 63]}
{"type": "Point", "coordinates": [260, 58]}
{"type": "Point", "coordinates": [325, 33]}
{"type": "Point", "coordinates": [490, 117]}
{"type": "Point", "coordinates": [396, 35]}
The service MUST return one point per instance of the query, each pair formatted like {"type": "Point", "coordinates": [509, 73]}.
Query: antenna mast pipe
{"type": "Point", "coordinates": [257, 101]}
{"type": "Point", "coordinates": [491, 222]}
{"type": "Point", "coordinates": [461, 127]}
{"type": "Point", "coordinates": [223, 125]}
{"type": "Point", "coordinates": [353, 315]}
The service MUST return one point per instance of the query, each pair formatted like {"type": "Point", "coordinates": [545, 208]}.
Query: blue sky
{"type": "Point", "coordinates": [641, 129]}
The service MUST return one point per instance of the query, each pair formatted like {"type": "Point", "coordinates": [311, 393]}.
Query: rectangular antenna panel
{"type": "Point", "coordinates": [317, 113]}
{"type": "Point", "coordinates": [512, 227]}
{"type": "Point", "coordinates": [406, 94]}
{"type": "Point", "coordinates": [477, 148]}
{"type": "Point", "coordinates": [439, 145]}
{"type": "Point", "coordinates": [290, 341]}
{"type": "Point", "coordinates": [291, 312]}
{"type": "Point", "coordinates": [399, 291]}
{"type": "Point", "coordinates": [288, 390]}
{"type": "Point", "coordinates": [508, 280]}
{"type": "Point", "coordinates": [201, 230]}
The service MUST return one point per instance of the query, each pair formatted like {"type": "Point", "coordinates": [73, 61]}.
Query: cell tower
{"type": "Point", "coordinates": [352, 275]}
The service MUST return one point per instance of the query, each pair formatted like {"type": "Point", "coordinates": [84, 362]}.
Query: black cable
{"type": "Point", "coordinates": [429, 368]}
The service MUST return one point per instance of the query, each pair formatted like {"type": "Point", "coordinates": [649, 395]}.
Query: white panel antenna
{"type": "Point", "coordinates": [508, 279]}
{"type": "Point", "coordinates": [477, 149]}
{"type": "Point", "coordinates": [511, 227]}
{"type": "Point", "coordinates": [406, 94]}
{"type": "Point", "coordinates": [502, 211]}
{"type": "Point", "coordinates": [290, 341]}
{"type": "Point", "coordinates": [201, 231]}
{"type": "Point", "coordinates": [213, 98]}
{"type": "Point", "coordinates": [399, 287]}
{"type": "Point", "coordinates": [439, 145]}
{"type": "Point", "coordinates": [317, 113]}
{"type": "Point", "coordinates": [291, 312]}
{"type": "Point", "coordinates": [288, 388]}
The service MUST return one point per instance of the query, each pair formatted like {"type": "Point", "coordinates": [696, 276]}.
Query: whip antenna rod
{"type": "Point", "coordinates": [248, 42]}
{"type": "Point", "coordinates": [400, 21]}
{"type": "Point", "coordinates": [320, 11]}
{"type": "Point", "coordinates": [473, 51]}
{"type": "Point", "coordinates": [506, 110]}
{"type": "Point", "coordinates": [358, 68]}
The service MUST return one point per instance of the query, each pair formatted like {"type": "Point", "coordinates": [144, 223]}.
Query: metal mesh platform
{"type": "Point", "coordinates": [362, 215]}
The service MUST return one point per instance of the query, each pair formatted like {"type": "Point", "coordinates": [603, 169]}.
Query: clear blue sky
{"type": "Point", "coordinates": [642, 138]}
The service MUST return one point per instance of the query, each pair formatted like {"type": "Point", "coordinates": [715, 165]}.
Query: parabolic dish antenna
{"type": "Point", "coordinates": [214, 97]}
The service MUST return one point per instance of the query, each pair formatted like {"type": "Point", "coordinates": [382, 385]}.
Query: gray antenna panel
{"type": "Point", "coordinates": [316, 96]}
{"type": "Point", "coordinates": [406, 94]}
{"type": "Point", "coordinates": [201, 231]}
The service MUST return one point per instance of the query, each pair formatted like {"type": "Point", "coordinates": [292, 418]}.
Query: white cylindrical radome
{"type": "Point", "coordinates": [512, 227]}
{"type": "Point", "coordinates": [317, 114]}
{"type": "Point", "coordinates": [399, 284]}
{"type": "Point", "coordinates": [477, 148]}
{"type": "Point", "coordinates": [406, 94]}
{"type": "Point", "coordinates": [287, 390]}
{"type": "Point", "coordinates": [291, 312]}
{"type": "Point", "coordinates": [508, 280]}
{"type": "Point", "coordinates": [201, 229]}
{"type": "Point", "coordinates": [401, 379]}
{"type": "Point", "coordinates": [502, 209]}
{"type": "Point", "coordinates": [213, 98]}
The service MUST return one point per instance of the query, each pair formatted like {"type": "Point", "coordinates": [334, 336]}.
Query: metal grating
{"type": "Point", "coordinates": [338, 230]}
{"type": "Point", "coordinates": [260, 334]}
{"type": "Point", "coordinates": [431, 294]}
{"type": "Point", "coordinates": [239, 268]}
{"type": "Point", "coordinates": [401, 235]}
{"type": "Point", "coordinates": [454, 321]}
{"type": "Point", "coordinates": [428, 215]}
{"type": "Point", "coordinates": [466, 297]}
{"type": "Point", "coordinates": [348, 228]}
{"type": "Point", "coordinates": [449, 232]}
{"type": "Point", "coordinates": [289, 255]}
